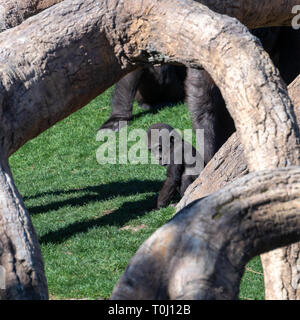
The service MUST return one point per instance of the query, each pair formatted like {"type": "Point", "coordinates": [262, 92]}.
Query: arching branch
{"type": "Point", "coordinates": [252, 13]}
{"type": "Point", "coordinates": [229, 162]}
{"type": "Point", "coordinates": [124, 35]}
{"type": "Point", "coordinates": [201, 253]}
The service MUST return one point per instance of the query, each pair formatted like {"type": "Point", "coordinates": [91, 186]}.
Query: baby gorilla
{"type": "Point", "coordinates": [183, 160]}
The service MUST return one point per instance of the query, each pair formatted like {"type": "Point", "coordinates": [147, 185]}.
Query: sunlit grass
{"type": "Point", "coordinates": [92, 218]}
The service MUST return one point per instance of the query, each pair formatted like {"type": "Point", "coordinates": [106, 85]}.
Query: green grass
{"type": "Point", "coordinates": [92, 218]}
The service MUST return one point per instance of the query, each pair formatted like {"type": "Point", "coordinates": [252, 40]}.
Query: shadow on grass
{"type": "Point", "coordinates": [97, 193]}
{"type": "Point", "coordinates": [154, 109]}
{"type": "Point", "coordinates": [128, 211]}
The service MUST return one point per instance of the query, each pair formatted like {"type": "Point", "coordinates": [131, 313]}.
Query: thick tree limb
{"type": "Point", "coordinates": [281, 274]}
{"type": "Point", "coordinates": [134, 37]}
{"type": "Point", "coordinates": [202, 252]}
{"type": "Point", "coordinates": [20, 254]}
{"type": "Point", "coordinates": [253, 14]}
{"type": "Point", "coordinates": [65, 62]}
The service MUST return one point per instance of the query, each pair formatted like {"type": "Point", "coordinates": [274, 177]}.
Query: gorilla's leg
{"type": "Point", "coordinates": [171, 185]}
{"type": "Point", "coordinates": [199, 89]}
{"type": "Point", "coordinates": [122, 99]}
{"type": "Point", "coordinates": [161, 85]}
{"type": "Point", "coordinates": [186, 180]}
{"type": "Point", "coordinates": [288, 60]}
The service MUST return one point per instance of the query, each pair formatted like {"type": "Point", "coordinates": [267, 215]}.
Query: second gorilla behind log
{"type": "Point", "coordinates": [156, 85]}
{"type": "Point", "coordinates": [183, 162]}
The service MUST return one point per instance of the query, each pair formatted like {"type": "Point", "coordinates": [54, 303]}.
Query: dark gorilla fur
{"type": "Point", "coordinates": [168, 83]}
{"type": "Point", "coordinates": [151, 86]}
{"type": "Point", "coordinates": [205, 102]}
{"type": "Point", "coordinates": [180, 174]}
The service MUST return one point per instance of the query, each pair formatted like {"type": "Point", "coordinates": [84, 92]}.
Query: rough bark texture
{"type": "Point", "coordinates": [229, 162]}
{"type": "Point", "coordinates": [281, 266]}
{"type": "Point", "coordinates": [60, 60]}
{"type": "Point", "coordinates": [188, 256]}
{"type": "Point", "coordinates": [253, 14]}
{"type": "Point", "coordinates": [14, 12]}
{"type": "Point", "coordinates": [20, 254]}
{"type": "Point", "coordinates": [46, 73]}
{"type": "Point", "coordinates": [136, 35]}
{"type": "Point", "coordinates": [57, 61]}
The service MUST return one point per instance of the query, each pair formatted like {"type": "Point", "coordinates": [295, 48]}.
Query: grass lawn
{"type": "Point", "coordinates": [91, 218]}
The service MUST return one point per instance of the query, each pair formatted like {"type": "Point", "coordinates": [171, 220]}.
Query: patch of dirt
{"type": "Point", "coordinates": [133, 228]}
{"type": "Point", "coordinates": [108, 211]}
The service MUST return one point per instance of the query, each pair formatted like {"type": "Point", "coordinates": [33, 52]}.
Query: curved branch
{"type": "Point", "coordinates": [20, 252]}
{"type": "Point", "coordinates": [114, 36]}
{"type": "Point", "coordinates": [201, 253]}
{"type": "Point", "coordinates": [229, 162]}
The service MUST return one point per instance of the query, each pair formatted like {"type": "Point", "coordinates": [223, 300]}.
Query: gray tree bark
{"type": "Point", "coordinates": [229, 162]}
{"type": "Point", "coordinates": [20, 254]}
{"type": "Point", "coordinates": [253, 14]}
{"type": "Point", "coordinates": [202, 252]}
{"type": "Point", "coordinates": [57, 61]}
{"type": "Point", "coordinates": [281, 271]}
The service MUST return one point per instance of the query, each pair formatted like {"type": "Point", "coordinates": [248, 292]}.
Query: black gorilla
{"type": "Point", "coordinates": [168, 83]}
{"type": "Point", "coordinates": [183, 162]}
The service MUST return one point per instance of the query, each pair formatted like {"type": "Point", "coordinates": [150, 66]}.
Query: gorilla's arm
{"type": "Point", "coordinates": [171, 185]}
{"type": "Point", "coordinates": [122, 100]}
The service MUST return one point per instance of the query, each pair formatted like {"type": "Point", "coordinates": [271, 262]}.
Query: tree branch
{"type": "Point", "coordinates": [20, 253]}
{"type": "Point", "coordinates": [145, 32]}
{"type": "Point", "coordinates": [201, 253]}
{"type": "Point", "coordinates": [252, 13]}
{"type": "Point", "coordinates": [228, 164]}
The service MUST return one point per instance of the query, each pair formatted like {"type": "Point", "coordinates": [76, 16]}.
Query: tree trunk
{"type": "Point", "coordinates": [229, 162]}
{"type": "Point", "coordinates": [202, 252]}
{"type": "Point", "coordinates": [57, 61]}
{"type": "Point", "coordinates": [281, 274]}
{"type": "Point", "coordinates": [254, 14]}
{"type": "Point", "coordinates": [20, 254]}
